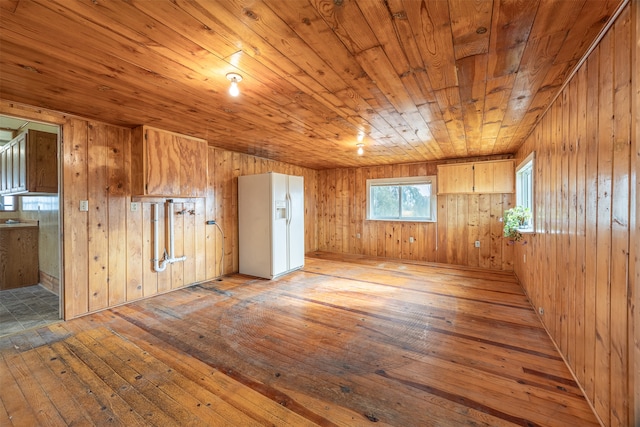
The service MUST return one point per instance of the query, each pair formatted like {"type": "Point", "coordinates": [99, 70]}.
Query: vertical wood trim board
{"type": "Point", "coordinates": [461, 220]}
{"type": "Point", "coordinates": [577, 266]}
{"type": "Point", "coordinates": [634, 255]}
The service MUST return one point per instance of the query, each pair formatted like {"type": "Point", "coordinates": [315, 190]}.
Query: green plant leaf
{"type": "Point", "coordinates": [514, 219]}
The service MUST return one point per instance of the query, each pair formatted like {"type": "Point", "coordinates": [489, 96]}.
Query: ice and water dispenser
{"type": "Point", "coordinates": [281, 209]}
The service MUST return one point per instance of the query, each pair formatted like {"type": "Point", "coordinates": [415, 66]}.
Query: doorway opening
{"type": "Point", "coordinates": [30, 225]}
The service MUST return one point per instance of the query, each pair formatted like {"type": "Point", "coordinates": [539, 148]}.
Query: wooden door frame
{"type": "Point", "coordinates": [634, 235]}
{"type": "Point", "coordinates": [52, 118]}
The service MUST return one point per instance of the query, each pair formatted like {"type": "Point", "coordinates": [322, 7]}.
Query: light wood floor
{"type": "Point", "coordinates": [356, 343]}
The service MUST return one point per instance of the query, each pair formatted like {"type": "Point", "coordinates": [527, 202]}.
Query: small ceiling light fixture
{"type": "Point", "coordinates": [360, 136]}
{"type": "Point", "coordinates": [360, 149]}
{"type": "Point", "coordinates": [234, 78]}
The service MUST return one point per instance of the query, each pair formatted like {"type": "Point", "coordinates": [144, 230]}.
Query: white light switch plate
{"type": "Point", "coordinates": [84, 206]}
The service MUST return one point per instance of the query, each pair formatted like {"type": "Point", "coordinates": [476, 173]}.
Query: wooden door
{"type": "Point", "coordinates": [494, 177]}
{"type": "Point", "coordinates": [19, 163]}
{"type": "Point", "coordinates": [42, 158]}
{"type": "Point", "coordinates": [162, 165]}
{"type": "Point", "coordinates": [504, 176]}
{"type": "Point", "coordinates": [455, 178]}
{"type": "Point", "coordinates": [193, 166]}
{"type": "Point", "coordinates": [4, 172]}
{"type": "Point", "coordinates": [166, 164]}
{"type": "Point", "coordinates": [483, 177]}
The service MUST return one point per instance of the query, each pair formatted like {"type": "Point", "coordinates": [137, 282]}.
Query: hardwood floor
{"type": "Point", "coordinates": [353, 343]}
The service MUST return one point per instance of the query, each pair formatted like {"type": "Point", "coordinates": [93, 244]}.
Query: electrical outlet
{"type": "Point", "coordinates": [135, 206]}
{"type": "Point", "coordinates": [477, 244]}
{"type": "Point", "coordinates": [84, 206]}
{"type": "Point", "coordinates": [357, 235]}
{"type": "Point", "coordinates": [411, 239]}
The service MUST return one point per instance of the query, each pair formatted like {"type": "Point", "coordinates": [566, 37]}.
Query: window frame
{"type": "Point", "coordinates": [404, 181]}
{"type": "Point", "coordinates": [525, 189]}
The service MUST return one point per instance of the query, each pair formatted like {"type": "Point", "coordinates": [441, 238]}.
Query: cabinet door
{"type": "Point", "coordinates": [162, 164]}
{"type": "Point", "coordinates": [42, 162]}
{"type": "Point", "coordinates": [455, 178]}
{"type": "Point", "coordinates": [3, 172]}
{"type": "Point", "coordinates": [193, 166]}
{"type": "Point", "coordinates": [504, 177]}
{"type": "Point", "coordinates": [19, 162]}
{"type": "Point", "coordinates": [166, 164]}
{"type": "Point", "coordinates": [494, 177]}
{"type": "Point", "coordinates": [483, 177]}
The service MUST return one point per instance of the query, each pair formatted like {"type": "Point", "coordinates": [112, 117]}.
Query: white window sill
{"type": "Point", "coordinates": [401, 220]}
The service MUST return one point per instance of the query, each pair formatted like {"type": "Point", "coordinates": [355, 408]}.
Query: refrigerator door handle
{"type": "Point", "coordinates": [288, 198]}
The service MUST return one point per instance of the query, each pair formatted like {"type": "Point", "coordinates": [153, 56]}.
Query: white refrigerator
{"type": "Point", "coordinates": [270, 224]}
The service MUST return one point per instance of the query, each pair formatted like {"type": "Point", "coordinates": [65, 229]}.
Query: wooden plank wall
{"type": "Point", "coordinates": [577, 267]}
{"type": "Point", "coordinates": [108, 250]}
{"type": "Point", "coordinates": [222, 203]}
{"type": "Point", "coordinates": [634, 255]}
{"type": "Point", "coordinates": [462, 219]}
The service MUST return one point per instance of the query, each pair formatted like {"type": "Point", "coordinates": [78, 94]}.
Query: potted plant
{"type": "Point", "coordinates": [514, 220]}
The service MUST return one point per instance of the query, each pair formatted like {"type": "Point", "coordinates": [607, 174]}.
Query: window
{"type": "Point", "coordinates": [7, 203]}
{"type": "Point", "coordinates": [39, 203]}
{"type": "Point", "coordinates": [524, 187]}
{"type": "Point", "coordinates": [402, 199]}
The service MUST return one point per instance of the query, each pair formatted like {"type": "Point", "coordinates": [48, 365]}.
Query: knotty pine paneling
{"type": "Point", "coordinates": [462, 219]}
{"type": "Point", "coordinates": [222, 201]}
{"type": "Point", "coordinates": [576, 266]}
{"type": "Point", "coordinates": [108, 250]}
{"type": "Point", "coordinates": [634, 249]}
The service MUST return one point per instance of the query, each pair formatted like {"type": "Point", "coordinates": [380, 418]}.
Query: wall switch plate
{"type": "Point", "coordinates": [135, 206]}
{"type": "Point", "coordinates": [84, 206]}
{"type": "Point", "coordinates": [540, 311]}
{"type": "Point", "coordinates": [411, 240]}
{"type": "Point", "coordinates": [477, 244]}
{"type": "Point", "coordinates": [357, 235]}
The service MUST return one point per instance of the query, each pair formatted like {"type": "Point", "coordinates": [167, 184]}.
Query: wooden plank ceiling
{"type": "Point", "coordinates": [422, 79]}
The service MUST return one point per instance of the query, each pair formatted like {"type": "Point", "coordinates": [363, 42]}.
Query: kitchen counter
{"type": "Point", "coordinates": [22, 224]}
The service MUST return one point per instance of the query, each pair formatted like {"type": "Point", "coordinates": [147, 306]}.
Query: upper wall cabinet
{"type": "Point", "coordinates": [166, 164]}
{"type": "Point", "coordinates": [496, 176]}
{"type": "Point", "coordinates": [29, 164]}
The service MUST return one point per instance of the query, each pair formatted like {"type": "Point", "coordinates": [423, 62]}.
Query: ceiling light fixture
{"type": "Point", "coordinates": [360, 149]}
{"type": "Point", "coordinates": [234, 78]}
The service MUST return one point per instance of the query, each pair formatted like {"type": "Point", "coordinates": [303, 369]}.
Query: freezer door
{"type": "Point", "coordinates": [296, 222]}
{"type": "Point", "coordinates": [280, 214]}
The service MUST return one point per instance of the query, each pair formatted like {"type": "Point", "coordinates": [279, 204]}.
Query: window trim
{"type": "Point", "coordinates": [430, 179]}
{"type": "Point", "coordinates": [528, 163]}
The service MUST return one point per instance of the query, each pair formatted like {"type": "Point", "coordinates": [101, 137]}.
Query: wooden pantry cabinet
{"type": "Point", "coordinates": [167, 164]}
{"type": "Point", "coordinates": [497, 176]}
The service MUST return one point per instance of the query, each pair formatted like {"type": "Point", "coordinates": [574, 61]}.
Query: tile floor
{"type": "Point", "coordinates": [26, 308]}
